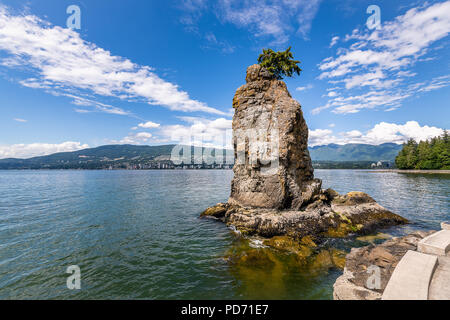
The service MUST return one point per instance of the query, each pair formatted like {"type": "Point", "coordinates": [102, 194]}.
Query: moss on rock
{"type": "Point", "coordinates": [374, 237]}
{"type": "Point", "coordinates": [217, 211]}
{"type": "Point", "coordinates": [302, 249]}
{"type": "Point", "coordinates": [338, 257]}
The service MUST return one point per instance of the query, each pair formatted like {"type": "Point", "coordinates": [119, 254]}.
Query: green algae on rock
{"type": "Point", "coordinates": [374, 237]}
{"type": "Point", "coordinates": [266, 271]}
{"type": "Point", "coordinates": [218, 211]}
{"type": "Point", "coordinates": [336, 216]}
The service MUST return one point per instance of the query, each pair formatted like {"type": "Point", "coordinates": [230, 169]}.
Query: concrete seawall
{"type": "Point", "coordinates": [414, 267]}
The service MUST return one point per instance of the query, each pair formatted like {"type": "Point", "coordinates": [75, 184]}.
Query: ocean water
{"type": "Point", "coordinates": [137, 235]}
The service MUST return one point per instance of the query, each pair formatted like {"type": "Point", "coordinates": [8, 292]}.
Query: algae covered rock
{"type": "Point", "coordinates": [266, 270]}
{"type": "Point", "coordinates": [330, 216]}
{"type": "Point", "coordinates": [218, 211]}
{"type": "Point", "coordinates": [302, 249]}
{"type": "Point", "coordinates": [364, 213]}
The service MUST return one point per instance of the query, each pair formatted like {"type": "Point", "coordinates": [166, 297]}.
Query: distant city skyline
{"type": "Point", "coordinates": [154, 72]}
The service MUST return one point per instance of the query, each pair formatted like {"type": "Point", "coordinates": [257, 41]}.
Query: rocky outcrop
{"type": "Point", "coordinates": [363, 263]}
{"type": "Point", "coordinates": [273, 168]}
{"type": "Point", "coordinates": [330, 215]}
{"type": "Point", "coordinates": [274, 192]}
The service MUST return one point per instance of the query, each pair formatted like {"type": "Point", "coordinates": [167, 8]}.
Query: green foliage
{"type": "Point", "coordinates": [279, 63]}
{"type": "Point", "coordinates": [432, 154]}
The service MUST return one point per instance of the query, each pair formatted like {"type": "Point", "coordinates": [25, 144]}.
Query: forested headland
{"type": "Point", "coordinates": [433, 154]}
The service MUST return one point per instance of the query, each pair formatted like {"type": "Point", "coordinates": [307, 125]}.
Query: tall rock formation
{"type": "Point", "coordinates": [274, 192]}
{"type": "Point", "coordinates": [273, 168]}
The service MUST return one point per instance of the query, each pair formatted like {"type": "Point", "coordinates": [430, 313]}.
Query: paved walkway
{"type": "Point", "coordinates": [423, 274]}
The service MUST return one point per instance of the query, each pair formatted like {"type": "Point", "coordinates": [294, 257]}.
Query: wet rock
{"type": "Point", "coordinates": [303, 249]}
{"type": "Point", "coordinates": [270, 265]}
{"type": "Point", "coordinates": [218, 211]}
{"type": "Point", "coordinates": [338, 258]}
{"type": "Point", "coordinates": [354, 284]}
{"type": "Point", "coordinates": [374, 237]}
{"type": "Point", "coordinates": [321, 219]}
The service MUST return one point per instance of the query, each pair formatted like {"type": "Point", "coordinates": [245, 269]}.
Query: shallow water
{"type": "Point", "coordinates": [137, 235]}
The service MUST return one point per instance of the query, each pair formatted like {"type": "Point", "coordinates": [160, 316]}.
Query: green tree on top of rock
{"type": "Point", "coordinates": [279, 63]}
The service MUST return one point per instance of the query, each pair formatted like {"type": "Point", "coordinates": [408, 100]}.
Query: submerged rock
{"type": "Point", "coordinates": [302, 249]}
{"type": "Point", "coordinates": [267, 271]}
{"type": "Point", "coordinates": [373, 238]}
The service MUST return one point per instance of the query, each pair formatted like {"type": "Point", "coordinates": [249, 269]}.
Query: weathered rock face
{"type": "Point", "coordinates": [274, 192]}
{"type": "Point", "coordinates": [273, 167]}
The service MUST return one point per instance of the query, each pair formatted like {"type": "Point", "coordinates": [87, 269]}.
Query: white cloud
{"type": "Point", "coordinates": [332, 94]}
{"type": "Point", "coordinates": [273, 18]}
{"type": "Point", "coordinates": [64, 62]}
{"type": "Point", "coordinates": [218, 133]}
{"type": "Point", "coordinates": [77, 110]}
{"type": "Point", "coordinates": [20, 120]}
{"type": "Point", "coordinates": [136, 139]}
{"type": "Point", "coordinates": [380, 62]}
{"type": "Point", "coordinates": [221, 45]}
{"type": "Point", "coordinates": [200, 132]}
{"type": "Point", "coordinates": [437, 83]}
{"type": "Point", "coordinates": [381, 133]}
{"type": "Point", "coordinates": [193, 10]}
{"type": "Point", "coordinates": [320, 137]}
{"type": "Point", "coordinates": [85, 102]}
{"type": "Point", "coordinates": [24, 151]}
{"type": "Point", "coordinates": [390, 132]}
{"type": "Point", "coordinates": [149, 125]}
{"type": "Point", "coordinates": [334, 40]}
{"type": "Point", "coordinates": [308, 87]}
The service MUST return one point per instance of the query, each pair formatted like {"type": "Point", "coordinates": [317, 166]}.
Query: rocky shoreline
{"type": "Point", "coordinates": [360, 265]}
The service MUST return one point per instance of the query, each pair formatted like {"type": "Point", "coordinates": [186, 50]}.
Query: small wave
{"type": "Point", "coordinates": [236, 231]}
{"type": "Point", "coordinates": [257, 244]}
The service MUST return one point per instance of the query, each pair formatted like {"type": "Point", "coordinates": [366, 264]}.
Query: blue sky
{"type": "Point", "coordinates": [156, 72]}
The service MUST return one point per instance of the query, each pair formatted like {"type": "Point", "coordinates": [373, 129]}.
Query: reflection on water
{"type": "Point", "coordinates": [137, 235]}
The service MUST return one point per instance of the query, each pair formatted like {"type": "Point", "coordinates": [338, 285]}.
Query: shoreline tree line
{"type": "Point", "coordinates": [432, 154]}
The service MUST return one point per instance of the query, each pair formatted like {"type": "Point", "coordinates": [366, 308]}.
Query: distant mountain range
{"type": "Point", "coordinates": [355, 152]}
{"type": "Point", "coordinates": [105, 157]}
{"type": "Point", "coordinates": [148, 157]}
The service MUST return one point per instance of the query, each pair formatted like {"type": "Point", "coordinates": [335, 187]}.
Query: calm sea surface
{"type": "Point", "coordinates": [137, 235]}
